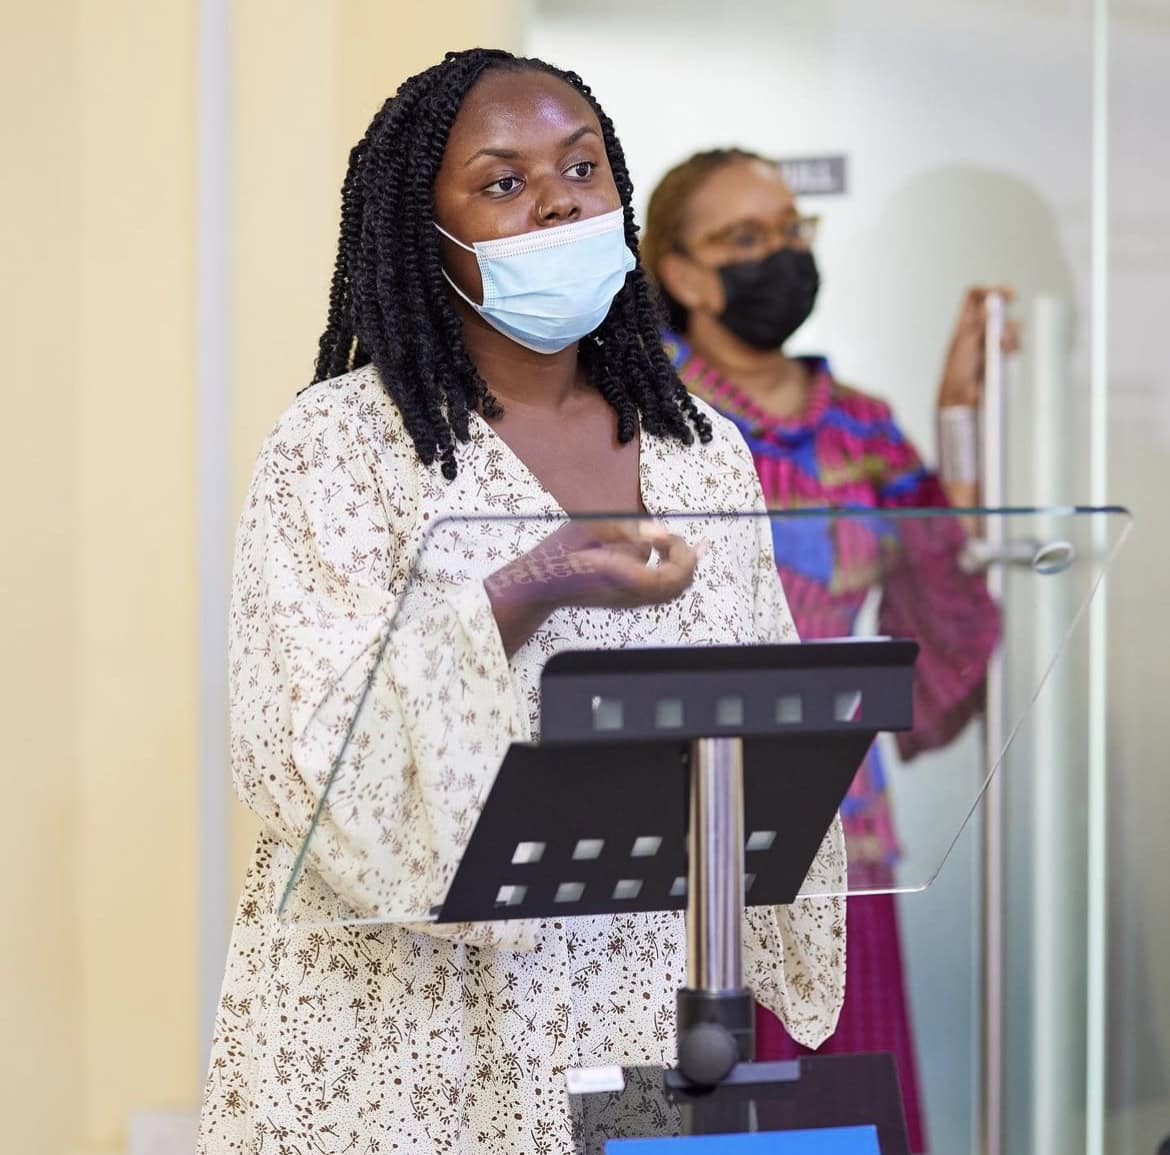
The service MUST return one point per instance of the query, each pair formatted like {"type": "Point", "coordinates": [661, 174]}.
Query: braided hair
{"type": "Point", "coordinates": [389, 304]}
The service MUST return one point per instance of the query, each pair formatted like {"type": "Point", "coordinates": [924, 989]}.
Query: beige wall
{"type": "Point", "coordinates": [97, 214]}
{"type": "Point", "coordinates": [99, 949]}
{"type": "Point", "coordinates": [137, 790]}
{"type": "Point", "coordinates": [40, 1075]}
{"type": "Point", "coordinates": [308, 79]}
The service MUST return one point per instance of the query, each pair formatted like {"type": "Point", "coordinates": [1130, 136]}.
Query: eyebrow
{"type": "Point", "coordinates": [739, 222]}
{"type": "Point", "coordinates": [513, 154]}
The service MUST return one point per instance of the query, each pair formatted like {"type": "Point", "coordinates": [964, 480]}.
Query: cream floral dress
{"type": "Point", "coordinates": [339, 1028]}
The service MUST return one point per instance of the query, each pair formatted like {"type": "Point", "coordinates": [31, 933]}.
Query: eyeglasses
{"type": "Point", "coordinates": [754, 238]}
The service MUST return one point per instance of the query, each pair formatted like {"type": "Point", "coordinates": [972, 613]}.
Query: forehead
{"type": "Point", "coordinates": [517, 110]}
{"type": "Point", "coordinates": [741, 190]}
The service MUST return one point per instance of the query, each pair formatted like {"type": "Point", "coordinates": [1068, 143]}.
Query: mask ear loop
{"type": "Point", "coordinates": [453, 240]}
{"type": "Point", "coordinates": [447, 276]}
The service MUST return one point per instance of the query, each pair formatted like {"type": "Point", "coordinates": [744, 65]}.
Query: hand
{"type": "Point", "coordinates": [962, 378]}
{"type": "Point", "coordinates": [600, 563]}
{"type": "Point", "coordinates": [596, 563]}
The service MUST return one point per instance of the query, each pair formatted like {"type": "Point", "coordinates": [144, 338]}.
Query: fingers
{"type": "Point", "coordinates": [621, 580]}
{"type": "Point", "coordinates": [606, 561]}
{"type": "Point", "coordinates": [635, 536]}
{"type": "Point", "coordinates": [641, 530]}
{"type": "Point", "coordinates": [973, 317]}
{"type": "Point", "coordinates": [977, 295]}
{"type": "Point", "coordinates": [586, 533]}
{"type": "Point", "coordinates": [675, 570]}
{"type": "Point", "coordinates": [973, 313]}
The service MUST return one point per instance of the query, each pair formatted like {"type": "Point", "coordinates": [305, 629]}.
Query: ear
{"type": "Point", "coordinates": [692, 285]}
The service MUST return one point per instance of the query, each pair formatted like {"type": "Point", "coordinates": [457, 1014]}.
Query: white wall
{"type": "Point", "coordinates": [1139, 978]}
{"type": "Point", "coordinates": [906, 89]}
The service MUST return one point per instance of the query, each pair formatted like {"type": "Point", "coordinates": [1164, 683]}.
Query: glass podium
{"type": "Point", "coordinates": [423, 725]}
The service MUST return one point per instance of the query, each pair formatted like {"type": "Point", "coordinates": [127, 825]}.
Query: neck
{"type": "Point", "coordinates": [517, 375]}
{"type": "Point", "coordinates": [772, 379]}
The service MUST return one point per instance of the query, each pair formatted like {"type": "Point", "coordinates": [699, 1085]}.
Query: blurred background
{"type": "Point", "coordinates": [168, 208]}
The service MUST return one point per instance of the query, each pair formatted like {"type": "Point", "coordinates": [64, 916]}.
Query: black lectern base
{"type": "Point", "coordinates": [807, 1093]}
{"type": "Point", "coordinates": [716, 1030]}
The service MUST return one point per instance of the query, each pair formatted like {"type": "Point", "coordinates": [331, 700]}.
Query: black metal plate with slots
{"type": "Point", "coordinates": [597, 825]}
{"type": "Point", "coordinates": [708, 691]}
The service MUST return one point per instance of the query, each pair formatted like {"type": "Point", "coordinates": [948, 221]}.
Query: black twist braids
{"type": "Point", "coordinates": [388, 299]}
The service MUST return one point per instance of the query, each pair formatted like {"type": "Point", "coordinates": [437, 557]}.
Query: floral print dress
{"type": "Point", "coordinates": [340, 1029]}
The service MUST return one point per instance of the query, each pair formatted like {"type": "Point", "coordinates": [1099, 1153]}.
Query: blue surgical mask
{"type": "Point", "coordinates": [550, 287]}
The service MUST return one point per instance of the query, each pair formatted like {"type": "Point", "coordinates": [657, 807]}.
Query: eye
{"type": "Point", "coordinates": [503, 186]}
{"type": "Point", "coordinates": [747, 237]}
{"type": "Point", "coordinates": [582, 170]}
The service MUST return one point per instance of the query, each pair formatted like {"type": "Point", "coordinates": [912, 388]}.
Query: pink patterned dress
{"type": "Point", "coordinates": [844, 451]}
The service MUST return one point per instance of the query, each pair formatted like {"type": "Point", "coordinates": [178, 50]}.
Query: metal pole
{"type": "Point", "coordinates": [716, 1012]}
{"type": "Point", "coordinates": [1053, 1124]}
{"type": "Point", "coordinates": [1097, 1027]}
{"type": "Point", "coordinates": [213, 376]}
{"type": "Point", "coordinates": [715, 867]}
{"type": "Point", "coordinates": [992, 995]}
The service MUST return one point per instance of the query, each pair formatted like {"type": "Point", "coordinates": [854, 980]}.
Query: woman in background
{"type": "Point", "coordinates": [732, 258]}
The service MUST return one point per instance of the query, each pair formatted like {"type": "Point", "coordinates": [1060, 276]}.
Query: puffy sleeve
{"type": "Point", "coordinates": [794, 956]}
{"type": "Point", "coordinates": [387, 738]}
{"type": "Point", "coordinates": [927, 596]}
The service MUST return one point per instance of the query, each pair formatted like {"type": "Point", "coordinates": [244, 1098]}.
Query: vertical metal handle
{"type": "Point", "coordinates": [1053, 993]}
{"type": "Point", "coordinates": [992, 921]}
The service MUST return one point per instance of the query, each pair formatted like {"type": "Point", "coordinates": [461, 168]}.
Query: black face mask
{"type": "Point", "coordinates": [768, 300]}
